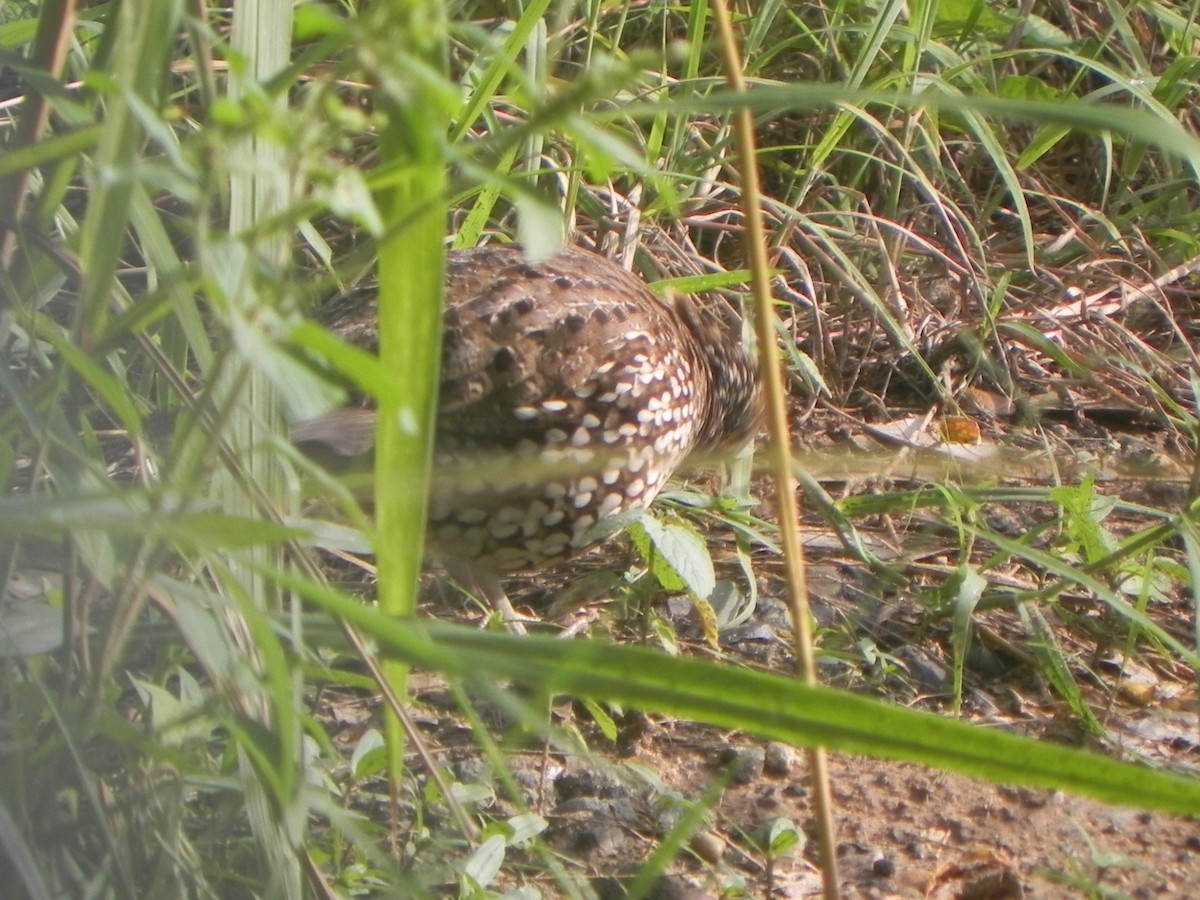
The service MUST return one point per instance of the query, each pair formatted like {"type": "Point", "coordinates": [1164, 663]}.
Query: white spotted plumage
{"type": "Point", "coordinates": [570, 394]}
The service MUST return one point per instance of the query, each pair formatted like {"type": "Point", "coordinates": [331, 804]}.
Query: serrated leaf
{"type": "Point", "coordinates": [1084, 510]}
{"type": "Point", "coordinates": [679, 558]}
{"type": "Point", "coordinates": [982, 20]}
{"type": "Point", "coordinates": [642, 542]}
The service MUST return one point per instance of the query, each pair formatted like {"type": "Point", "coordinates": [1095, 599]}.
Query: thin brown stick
{"type": "Point", "coordinates": [55, 22]}
{"type": "Point", "coordinates": [779, 449]}
{"type": "Point", "coordinates": [400, 711]}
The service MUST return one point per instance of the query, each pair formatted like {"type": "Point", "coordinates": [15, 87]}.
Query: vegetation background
{"type": "Point", "coordinates": [983, 220]}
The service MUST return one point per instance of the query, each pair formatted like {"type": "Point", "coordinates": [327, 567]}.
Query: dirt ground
{"type": "Point", "coordinates": [903, 831]}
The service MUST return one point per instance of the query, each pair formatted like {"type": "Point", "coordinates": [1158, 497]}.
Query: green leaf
{"type": "Point", "coordinates": [369, 756]}
{"type": "Point", "coordinates": [349, 197]}
{"type": "Point", "coordinates": [1026, 87]}
{"type": "Point", "coordinates": [782, 837]}
{"type": "Point", "coordinates": [602, 719]}
{"type": "Point", "coordinates": [175, 721]}
{"type": "Point", "coordinates": [49, 150]}
{"type": "Point", "coordinates": [676, 554]}
{"type": "Point", "coordinates": [771, 706]}
{"type": "Point", "coordinates": [1084, 510]}
{"type": "Point", "coordinates": [304, 393]}
{"type": "Point", "coordinates": [525, 828]}
{"type": "Point", "coordinates": [484, 864]}
{"type": "Point", "coordinates": [363, 369]}
{"type": "Point", "coordinates": [1055, 667]}
{"type": "Point", "coordinates": [29, 628]}
{"type": "Point", "coordinates": [971, 586]}
{"type": "Point", "coordinates": [218, 530]}
{"type": "Point", "coordinates": [114, 394]}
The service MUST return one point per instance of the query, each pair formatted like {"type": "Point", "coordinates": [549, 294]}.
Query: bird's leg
{"type": "Point", "coordinates": [485, 583]}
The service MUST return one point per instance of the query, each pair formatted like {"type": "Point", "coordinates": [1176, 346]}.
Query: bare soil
{"type": "Point", "coordinates": [903, 831]}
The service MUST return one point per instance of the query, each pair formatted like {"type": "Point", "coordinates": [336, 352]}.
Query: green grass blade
{"type": "Point", "coordinates": [770, 706]}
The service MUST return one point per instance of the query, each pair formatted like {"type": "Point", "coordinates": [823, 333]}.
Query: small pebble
{"type": "Point", "coordinates": [746, 763]}
{"type": "Point", "coordinates": [778, 760]}
{"type": "Point", "coordinates": [587, 783]}
{"type": "Point", "coordinates": [708, 845]}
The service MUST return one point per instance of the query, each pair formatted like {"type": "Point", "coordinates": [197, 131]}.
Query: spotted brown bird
{"type": "Point", "coordinates": [569, 395]}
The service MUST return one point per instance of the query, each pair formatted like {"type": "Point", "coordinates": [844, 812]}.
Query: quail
{"type": "Point", "coordinates": [569, 395]}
